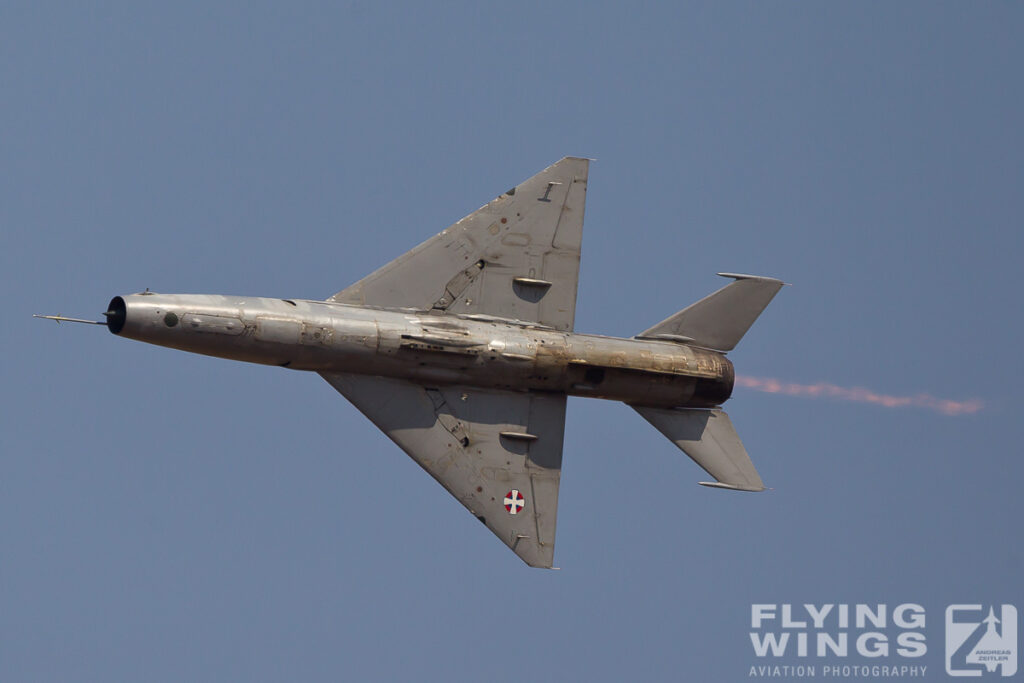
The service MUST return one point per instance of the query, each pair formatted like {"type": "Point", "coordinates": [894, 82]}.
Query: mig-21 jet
{"type": "Point", "coordinates": [463, 352]}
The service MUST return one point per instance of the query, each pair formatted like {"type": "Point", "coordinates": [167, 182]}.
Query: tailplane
{"type": "Point", "coordinates": [719, 320]}
{"type": "Point", "coordinates": [709, 438]}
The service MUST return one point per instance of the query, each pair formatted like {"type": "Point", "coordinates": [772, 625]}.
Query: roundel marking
{"type": "Point", "coordinates": [514, 501]}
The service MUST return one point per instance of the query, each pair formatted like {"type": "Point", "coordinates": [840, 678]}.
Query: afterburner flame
{"type": "Point", "coordinates": [861, 395]}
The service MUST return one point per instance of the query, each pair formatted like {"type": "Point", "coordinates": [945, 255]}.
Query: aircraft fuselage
{"type": "Point", "coordinates": [462, 351]}
{"type": "Point", "coordinates": [427, 348]}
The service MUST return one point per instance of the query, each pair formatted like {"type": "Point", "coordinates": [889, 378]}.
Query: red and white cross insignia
{"type": "Point", "coordinates": [514, 501]}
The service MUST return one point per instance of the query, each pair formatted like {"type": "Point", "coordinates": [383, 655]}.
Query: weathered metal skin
{"type": "Point", "coordinates": [426, 347]}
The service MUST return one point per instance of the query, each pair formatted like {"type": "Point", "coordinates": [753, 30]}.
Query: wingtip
{"type": "Point", "coordinates": [744, 276]}
{"type": "Point", "coordinates": [731, 487]}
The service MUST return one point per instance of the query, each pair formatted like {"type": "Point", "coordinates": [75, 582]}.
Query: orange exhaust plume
{"type": "Point", "coordinates": [861, 395]}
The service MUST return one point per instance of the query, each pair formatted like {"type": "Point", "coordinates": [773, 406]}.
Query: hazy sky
{"type": "Point", "coordinates": [169, 517]}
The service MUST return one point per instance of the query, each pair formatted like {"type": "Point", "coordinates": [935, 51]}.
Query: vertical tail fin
{"type": "Point", "coordinates": [719, 320]}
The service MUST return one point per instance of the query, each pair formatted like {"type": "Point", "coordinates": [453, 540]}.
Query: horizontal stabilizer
{"type": "Point", "coordinates": [719, 320]}
{"type": "Point", "coordinates": [709, 438]}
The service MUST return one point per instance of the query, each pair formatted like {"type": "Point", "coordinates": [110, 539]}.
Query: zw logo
{"type": "Point", "coordinates": [980, 640]}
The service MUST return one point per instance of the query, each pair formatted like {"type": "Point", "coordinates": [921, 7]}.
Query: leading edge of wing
{"type": "Point", "coordinates": [516, 257]}
{"type": "Point", "coordinates": [499, 453]}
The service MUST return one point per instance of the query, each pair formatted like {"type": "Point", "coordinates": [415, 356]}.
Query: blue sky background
{"type": "Point", "coordinates": [171, 517]}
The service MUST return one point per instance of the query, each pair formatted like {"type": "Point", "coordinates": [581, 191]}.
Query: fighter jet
{"type": "Point", "coordinates": [463, 352]}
